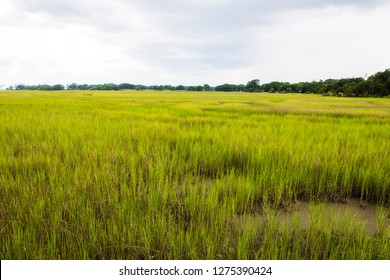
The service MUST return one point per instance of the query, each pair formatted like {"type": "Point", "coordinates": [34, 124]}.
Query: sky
{"type": "Point", "coordinates": [191, 42]}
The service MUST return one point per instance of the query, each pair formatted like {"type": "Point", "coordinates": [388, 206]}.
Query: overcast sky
{"type": "Point", "coordinates": [191, 42]}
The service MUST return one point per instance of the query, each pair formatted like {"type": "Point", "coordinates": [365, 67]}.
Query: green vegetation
{"type": "Point", "coordinates": [143, 175]}
{"type": "Point", "coordinates": [377, 85]}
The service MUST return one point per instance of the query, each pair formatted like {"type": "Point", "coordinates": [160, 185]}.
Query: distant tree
{"type": "Point", "coordinates": [44, 87]}
{"type": "Point", "coordinates": [206, 87]}
{"type": "Point", "coordinates": [370, 88]}
{"type": "Point", "coordinates": [84, 87]}
{"type": "Point", "coordinates": [253, 86]}
{"type": "Point", "coordinates": [58, 87]}
{"type": "Point", "coordinates": [180, 87]}
{"type": "Point", "coordinates": [230, 88]}
{"type": "Point", "coordinates": [195, 88]}
{"type": "Point", "coordinates": [308, 87]}
{"type": "Point", "coordinates": [241, 87]}
{"type": "Point", "coordinates": [191, 88]}
{"type": "Point", "coordinates": [126, 86]}
{"type": "Point", "coordinates": [376, 89]}
{"type": "Point", "coordinates": [382, 78]}
{"type": "Point", "coordinates": [225, 87]}
{"type": "Point", "coordinates": [275, 87]}
{"type": "Point", "coordinates": [72, 86]}
{"type": "Point", "coordinates": [141, 87]}
{"type": "Point", "coordinates": [110, 86]}
{"type": "Point", "coordinates": [349, 89]}
{"type": "Point", "coordinates": [169, 87]}
{"type": "Point", "coordinates": [20, 87]}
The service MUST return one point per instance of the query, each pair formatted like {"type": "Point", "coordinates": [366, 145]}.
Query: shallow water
{"type": "Point", "coordinates": [369, 216]}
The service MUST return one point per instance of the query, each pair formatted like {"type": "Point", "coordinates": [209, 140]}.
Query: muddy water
{"type": "Point", "coordinates": [368, 216]}
{"type": "Point", "coordinates": [371, 217]}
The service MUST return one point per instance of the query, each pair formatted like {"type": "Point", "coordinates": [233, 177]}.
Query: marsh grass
{"type": "Point", "coordinates": [147, 175]}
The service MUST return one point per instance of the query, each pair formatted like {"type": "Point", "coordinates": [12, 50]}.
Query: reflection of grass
{"type": "Point", "coordinates": [140, 175]}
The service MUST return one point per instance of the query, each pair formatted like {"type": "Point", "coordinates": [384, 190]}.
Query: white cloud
{"type": "Point", "coordinates": [190, 42]}
{"type": "Point", "coordinates": [334, 42]}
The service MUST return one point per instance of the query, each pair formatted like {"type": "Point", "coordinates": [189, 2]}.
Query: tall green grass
{"type": "Point", "coordinates": [143, 175]}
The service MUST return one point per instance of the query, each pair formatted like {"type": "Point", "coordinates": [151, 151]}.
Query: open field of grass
{"type": "Point", "coordinates": [167, 175]}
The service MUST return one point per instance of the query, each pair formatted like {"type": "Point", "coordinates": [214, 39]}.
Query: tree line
{"type": "Point", "coordinates": [375, 85]}
{"type": "Point", "coordinates": [109, 86]}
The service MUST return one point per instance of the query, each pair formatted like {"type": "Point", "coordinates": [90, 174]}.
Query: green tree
{"type": "Point", "coordinates": [84, 87]}
{"type": "Point", "coordinates": [253, 86]}
{"type": "Point", "coordinates": [72, 86]}
{"type": "Point", "coordinates": [58, 87]}
{"type": "Point", "coordinates": [126, 86]}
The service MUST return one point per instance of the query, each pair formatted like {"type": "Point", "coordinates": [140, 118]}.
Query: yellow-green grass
{"type": "Point", "coordinates": [167, 175]}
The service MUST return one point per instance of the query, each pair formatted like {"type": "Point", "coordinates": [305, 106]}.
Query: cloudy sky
{"type": "Point", "coordinates": [191, 42]}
